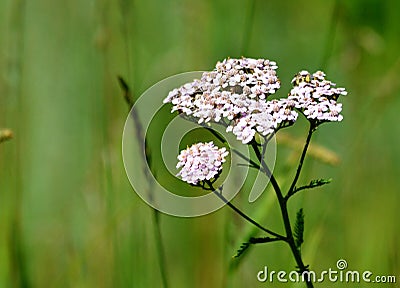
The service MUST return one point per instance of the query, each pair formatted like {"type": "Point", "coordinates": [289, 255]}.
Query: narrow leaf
{"type": "Point", "coordinates": [313, 184]}
{"type": "Point", "coordinates": [299, 228]}
{"type": "Point", "coordinates": [319, 182]}
{"type": "Point", "coordinates": [259, 240]}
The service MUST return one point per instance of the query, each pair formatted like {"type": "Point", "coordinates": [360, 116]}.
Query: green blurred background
{"type": "Point", "coordinates": [68, 216]}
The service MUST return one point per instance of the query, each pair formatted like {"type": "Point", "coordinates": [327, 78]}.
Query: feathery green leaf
{"type": "Point", "coordinates": [299, 228]}
{"type": "Point", "coordinates": [242, 249]}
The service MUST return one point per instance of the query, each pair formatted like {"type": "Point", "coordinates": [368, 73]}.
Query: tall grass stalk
{"type": "Point", "coordinates": [155, 213]}
{"type": "Point", "coordinates": [18, 270]}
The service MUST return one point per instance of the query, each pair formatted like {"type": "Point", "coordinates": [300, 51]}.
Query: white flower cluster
{"type": "Point", "coordinates": [316, 97]}
{"type": "Point", "coordinates": [201, 161]}
{"type": "Point", "coordinates": [263, 117]}
{"type": "Point", "coordinates": [235, 94]}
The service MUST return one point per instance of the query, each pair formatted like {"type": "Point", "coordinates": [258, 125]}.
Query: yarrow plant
{"type": "Point", "coordinates": [237, 94]}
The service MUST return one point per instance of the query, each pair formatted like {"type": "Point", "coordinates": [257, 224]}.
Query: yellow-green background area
{"type": "Point", "coordinates": [68, 215]}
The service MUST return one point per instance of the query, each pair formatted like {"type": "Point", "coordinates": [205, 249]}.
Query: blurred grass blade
{"type": "Point", "coordinates": [127, 92]}
{"type": "Point", "coordinates": [156, 214]}
{"type": "Point", "coordinates": [316, 151]}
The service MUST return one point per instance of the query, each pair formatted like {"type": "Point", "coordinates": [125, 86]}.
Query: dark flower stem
{"type": "Point", "coordinates": [292, 188]}
{"type": "Point", "coordinates": [242, 214]}
{"type": "Point", "coordinates": [284, 211]}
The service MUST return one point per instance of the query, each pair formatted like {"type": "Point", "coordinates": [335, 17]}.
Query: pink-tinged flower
{"type": "Point", "coordinates": [201, 161]}
{"type": "Point", "coordinates": [235, 94]}
{"type": "Point", "coordinates": [226, 90]}
{"type": "Point", "coordinates": [316, 97]}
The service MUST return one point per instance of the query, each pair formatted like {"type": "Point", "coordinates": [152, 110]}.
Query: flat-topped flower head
{"type": "Point", "coordinates": [227, 90]}
{"type": "Point", "coordinates": [316, 97]}
{"type": "Point", "coordinates": [264, 118]}
{"type": "Point", "coordinates": [235, 95]}
{"type": "Point", "coordinates": [200, 162]}
{"type": "Point", "coordinates": [255, 78]}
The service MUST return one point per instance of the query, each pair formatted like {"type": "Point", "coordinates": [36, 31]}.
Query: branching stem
{"type": "Point", "coordinates": [218, 192]}
{"type": "Point", "coordinates": [283, 207]}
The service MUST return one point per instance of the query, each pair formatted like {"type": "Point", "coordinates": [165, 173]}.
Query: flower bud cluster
{"type": "Point", "coordinates": [201, 161]}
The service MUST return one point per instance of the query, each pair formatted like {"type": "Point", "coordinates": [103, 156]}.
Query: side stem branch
{"type": "Point", "coordinates": [291, 190]}
{"type": "Point", "coordinates": [242, 214]}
